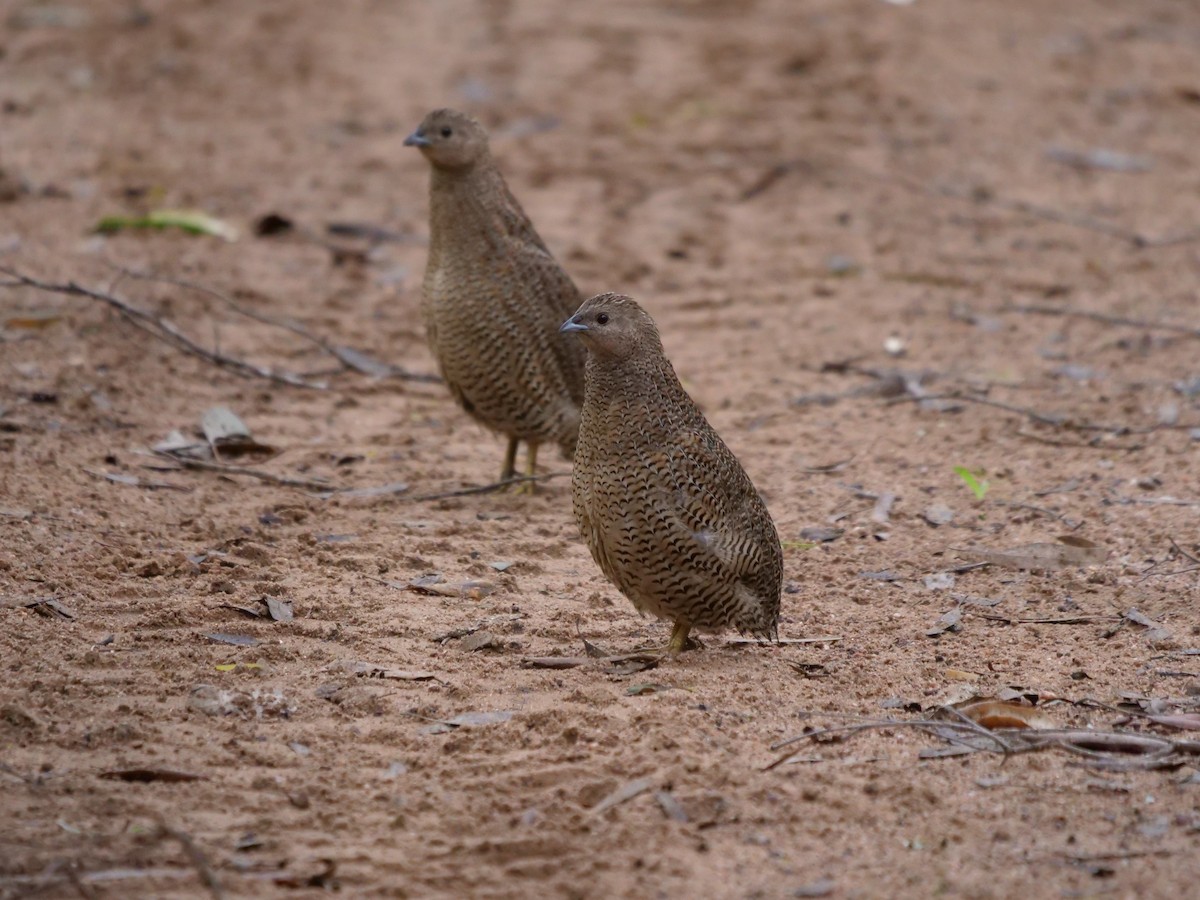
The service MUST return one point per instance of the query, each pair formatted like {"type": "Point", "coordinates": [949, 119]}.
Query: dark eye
{"type": "Point", "coordinates": [602, 319]}
{"type": "Point", "coordinates": [446, 132]}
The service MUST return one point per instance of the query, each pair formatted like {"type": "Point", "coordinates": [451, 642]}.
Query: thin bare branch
{"type": "Point", "coordinates": [1183, 552]}
{"type": "Point", "coordinates": [281, 480]}
{"type": "Point", "coordinates": [491, 488]}
{"type": "Point", "coordinates": [196, 857]}
{"type": "Point", "coordinates": [160, 328]}
{"type": "Point", "coordinates": [1106, 318]}
{"type": "Point", "coordinates": [346, 359]}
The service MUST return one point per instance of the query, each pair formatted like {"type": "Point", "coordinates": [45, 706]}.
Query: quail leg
{"type": "Point", "coordinates": [510, 461]}
{"type": "Point", "coordinates": [679, 638]}
{"type": "Point", "coordinates": [528, 487]}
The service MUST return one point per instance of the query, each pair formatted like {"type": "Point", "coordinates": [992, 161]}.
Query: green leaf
{"type": "Point", "coordinates": [187, 220]}
{"type": "Point", "coordinates": [976, 482]}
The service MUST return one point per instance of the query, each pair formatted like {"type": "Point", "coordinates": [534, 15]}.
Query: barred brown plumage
{"type": "Point", "coordinates": [667, 511]}
{"type": "Point", "coordinates": [494, 297]}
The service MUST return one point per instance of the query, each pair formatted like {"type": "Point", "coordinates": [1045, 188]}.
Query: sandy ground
{"type": "Point", "coordinates": [788, 187]}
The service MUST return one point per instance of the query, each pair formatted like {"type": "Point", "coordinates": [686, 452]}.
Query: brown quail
{"type": "Point", "coordinates": [666, 509]}
{"type": "Point", "coordinates": [494, 297]}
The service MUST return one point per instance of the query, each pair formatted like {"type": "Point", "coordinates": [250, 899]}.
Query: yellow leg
{"type": "Point", "coordinates": [510, 461]}
{"type": "Point", "coordinates": [679, 638]}
{"type": "Point", "coordinates": [527, 487]}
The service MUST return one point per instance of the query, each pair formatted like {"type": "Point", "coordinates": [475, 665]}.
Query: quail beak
{"type": "Point", "coordinates": [572, 326]}
{"type": "Point", "coordinates": [416, 139]}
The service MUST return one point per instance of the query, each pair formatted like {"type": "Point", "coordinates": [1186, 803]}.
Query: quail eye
{"type": "Point", "coordinates": [446, 132]}
{"type": "Point", "coordinates": [602, 319]}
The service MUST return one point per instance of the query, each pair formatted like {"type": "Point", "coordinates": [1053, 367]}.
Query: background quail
{"type": "Point", "coordinates": [667, 511]}
{"type": "Point", "coordinates": [494, 297]}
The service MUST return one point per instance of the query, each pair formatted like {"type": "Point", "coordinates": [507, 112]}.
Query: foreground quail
{"type": "Point", "coordinates": [666, 509]}
{"type": "Point", "coordinates": [494, 297]}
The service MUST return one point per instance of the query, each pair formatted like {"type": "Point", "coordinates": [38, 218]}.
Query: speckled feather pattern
{"type": "Point", "coordinates": [493, 300]}
{"type": "Point", "coordinates": [667, 511]}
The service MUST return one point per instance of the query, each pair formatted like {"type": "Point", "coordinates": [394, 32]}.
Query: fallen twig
{"type": "Point", "coordinates": [1061, 620]}
{"type": "Point", "coordinates": [491, 488]}
{"type": "Point", "coordinates": [1056, 419]}
{"type": "Point", "coordinates": [160, 328]}
{"type": "Point", "coordinates": [1136, 751]}
{"type": "Point", "coordinates": [1183, 552]}
{"type": "Point", "coordinates": [348, 359]}
{"type": "Point", "coordinates": [283, 481]}
{"type": "Point", "coordinates": [1106, 318]}
{"type": "Point", "coordinates": [1093, 443]}
{"type": "Point", "coordinates": [1074, 220]}
{"type": "Point", "coordinates": [196, 856]}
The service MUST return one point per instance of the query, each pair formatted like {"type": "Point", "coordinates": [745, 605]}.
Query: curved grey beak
{"type": "Point", "coordinates": [416, 139]}
{"type": "Point", "coordinates": [571, 326]}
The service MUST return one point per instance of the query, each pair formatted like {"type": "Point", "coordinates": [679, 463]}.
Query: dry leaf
{"type": "Point", "coordinates": [937, 514]}
{"type": "Point", "coordinates": [147, 775]}
{"type": "Point", "coordinates": [228, 435]}
{"type": "Point", "coordinates": [280, 610]}
{"type": "Point", "coordinates": [950, 621]}
{"type": "Point", "coordinates": [481, 640]}
{"type": "Point", "coordinates": [992, 713]}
